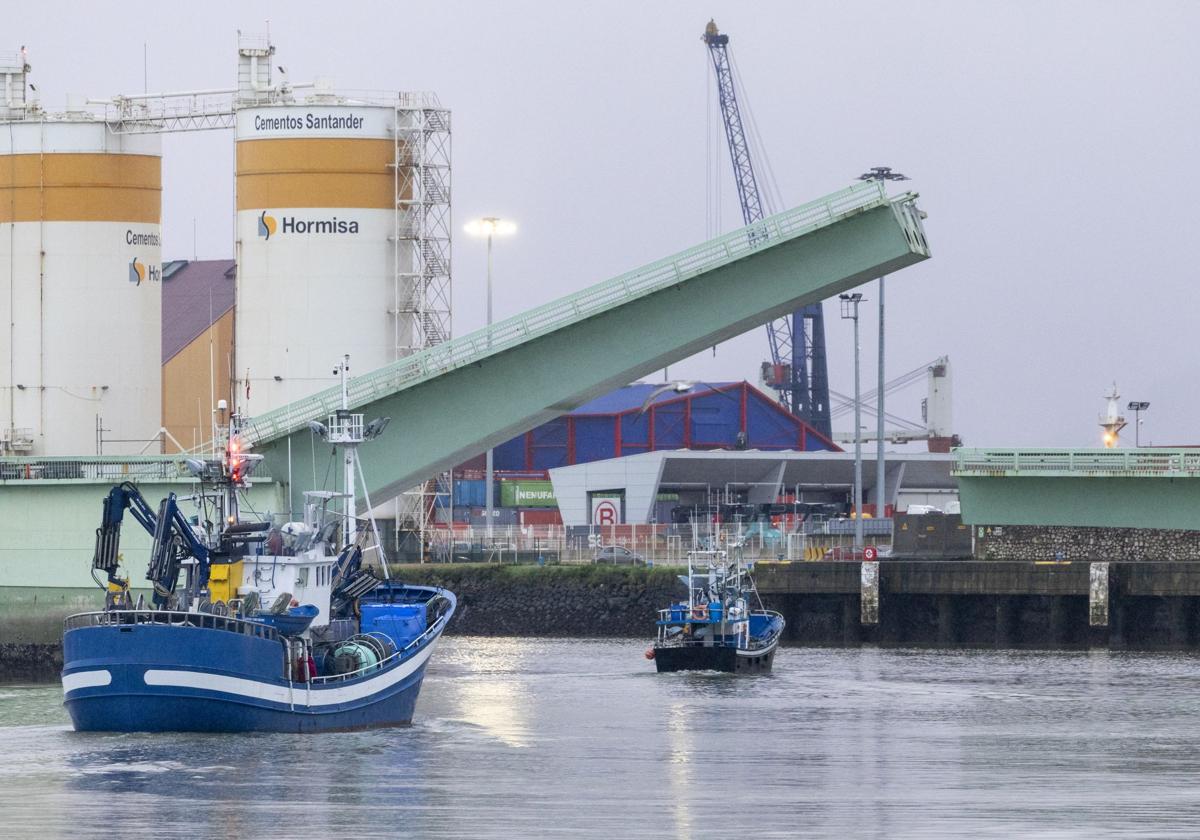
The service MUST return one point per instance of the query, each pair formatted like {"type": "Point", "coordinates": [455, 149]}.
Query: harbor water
{"type": "Point", "coordinates": [582, 739]}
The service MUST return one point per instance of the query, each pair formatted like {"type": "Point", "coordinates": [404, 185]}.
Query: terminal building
{"type": "Point", "coordinates": [794, 484]}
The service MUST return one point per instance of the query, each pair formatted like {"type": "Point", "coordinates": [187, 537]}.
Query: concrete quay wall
{"type": "Point", "coordinates": [1001, 604]}
{"type": "Point", "coordinates": [964, 603]}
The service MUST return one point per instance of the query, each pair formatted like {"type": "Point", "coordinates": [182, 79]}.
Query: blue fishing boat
{"type": "Point", "coordinates": [716, 628]}
{"type": "Point", "coordinates": [252, 626]}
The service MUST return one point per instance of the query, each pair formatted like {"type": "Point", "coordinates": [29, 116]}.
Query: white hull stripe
{"type": "Point", "coordinates": [85, 679]}
{"type": "Point", "coordinates": [760, 651]}
{"type": "Point", "coordinates": [299, 694]}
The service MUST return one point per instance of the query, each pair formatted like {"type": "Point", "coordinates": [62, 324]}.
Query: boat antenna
{"type": "Point", "coordinates": [348, 431]}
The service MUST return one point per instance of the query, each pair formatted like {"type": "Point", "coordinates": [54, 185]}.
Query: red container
{"type": "Point", "coordinates": [540, 516]}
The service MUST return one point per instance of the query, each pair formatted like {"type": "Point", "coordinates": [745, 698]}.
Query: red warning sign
{"type": "Point", "coordinates": [870, 553]}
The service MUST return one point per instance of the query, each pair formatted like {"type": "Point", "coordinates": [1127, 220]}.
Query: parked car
{"type": "Point", "coordinates": [619, 555]}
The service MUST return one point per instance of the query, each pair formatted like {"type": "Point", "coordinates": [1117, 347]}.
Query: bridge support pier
{"type": "Point", "coordinates": [869, 592]}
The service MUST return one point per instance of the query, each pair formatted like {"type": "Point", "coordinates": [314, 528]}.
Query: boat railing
{"type": "Point", "coordinates": [753, 644]}
{"type": "Point", "coordinates": [430, 631]}
{"type": "Point", "coordinates": [682, 639]}
{"type": "Point", "coordinates": [174, 618]}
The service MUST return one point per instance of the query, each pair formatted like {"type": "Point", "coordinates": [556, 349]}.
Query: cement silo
{"type": "Point", "coordinates": [333, 256]}
{"type": "Point", "coordinates": [80, 272]}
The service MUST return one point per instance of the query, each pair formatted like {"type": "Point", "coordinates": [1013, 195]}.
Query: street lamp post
{"type": "Point", "coordinates": [1137, 407]}
{"type": "Point", "coordinates": [850, 304]}
{"type": "Point", "coordinates": [489, 226]}
{"type": "Point", "coordinates": [880, 173]}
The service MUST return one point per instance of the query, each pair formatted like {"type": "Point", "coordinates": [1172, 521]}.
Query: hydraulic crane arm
{"type": "Point", "coordinates": [122, 497]}
{"type": "Point", "coordinates": [174, 540]}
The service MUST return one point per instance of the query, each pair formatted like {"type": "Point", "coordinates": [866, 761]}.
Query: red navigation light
{"type": "Point", "coordinates": [235, 461]}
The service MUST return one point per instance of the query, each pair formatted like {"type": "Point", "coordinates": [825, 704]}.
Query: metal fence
{"type": "Point", "coordinates": [99, 469]}
{"type": "Point", "coordinates": [542, 320]}
{"type": "Point", "coordinates": [638, 544]}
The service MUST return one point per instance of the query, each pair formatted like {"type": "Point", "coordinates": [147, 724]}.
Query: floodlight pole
{"type": "Point", "coordinates": [880, 173]}
{"type": "Point", "coordinates": [488, 226]}
{"type": "Point", "coordinates": [850, 311]}
{"type": "Point", "coordinates": [489, 474]}
{"type": "Point", "coordinates": [1137, 407]}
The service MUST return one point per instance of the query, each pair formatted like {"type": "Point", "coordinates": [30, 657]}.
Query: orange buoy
{"type": "Point", "coordinates": [649, 653]}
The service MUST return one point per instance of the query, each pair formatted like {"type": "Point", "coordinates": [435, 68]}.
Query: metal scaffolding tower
{"type": "Point", "coordinates": [421, 268]}
{"type": "Point", "coordinates": [422, 225]}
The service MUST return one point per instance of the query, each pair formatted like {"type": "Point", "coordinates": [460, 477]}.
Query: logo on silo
{"type": "Point", "coordinates": [137, 271]}
{"type": "Point", "coordinates": [266, 225]}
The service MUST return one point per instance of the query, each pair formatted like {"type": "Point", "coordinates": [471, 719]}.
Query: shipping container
{"type": "Point", "coordinates": [540, 516]}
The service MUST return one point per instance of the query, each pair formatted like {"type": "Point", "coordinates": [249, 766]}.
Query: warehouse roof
{"type": "Point", "coordinates": [195, 294]}
{"type": "Point", "coordinates": [633, 397]}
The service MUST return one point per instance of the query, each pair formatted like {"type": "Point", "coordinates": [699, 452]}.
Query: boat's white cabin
{"type": "Point", "coordinates": [307, 576]}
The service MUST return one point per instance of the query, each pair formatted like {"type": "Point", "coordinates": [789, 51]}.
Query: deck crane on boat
{"type": "Point", "coordinates": [174, 541]}
{"type": "Point", "coordinates": [797, 370]}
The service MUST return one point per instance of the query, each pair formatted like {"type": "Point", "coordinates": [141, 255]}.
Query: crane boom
{"type": "Point", "coordinates": [735, 133]}
{"type": "Point", "coordinates": [173, 540]}
{"type": "Point", "coordinates": [798, 368]}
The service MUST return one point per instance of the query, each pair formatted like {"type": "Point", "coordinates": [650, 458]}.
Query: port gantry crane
{"type": "Point", "coordinates": [798, 369]}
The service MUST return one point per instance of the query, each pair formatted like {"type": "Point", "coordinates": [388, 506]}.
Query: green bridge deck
{"type": "Point", "coordinates": [1107, 488]}
{"type": "Point", "coordinates": [453, 401]}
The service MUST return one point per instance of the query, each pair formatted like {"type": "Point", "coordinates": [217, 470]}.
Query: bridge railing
{"type": "Point", "coordinates": [97, 468]}
{"type": "Point", "coordinates": [573, 308]}
{"type": "Point", "coordinates": [1078, 462]}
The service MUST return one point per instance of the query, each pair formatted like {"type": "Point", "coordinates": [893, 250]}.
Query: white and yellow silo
{"type": "Point", "coordinates": [80, 281]}
{"type": "Point", "coordinates": [321, 271]}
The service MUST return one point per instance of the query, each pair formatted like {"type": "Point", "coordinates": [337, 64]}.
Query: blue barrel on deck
{"type": "Point", "coordinates": [714, 610]}
{"type": "Point", "coordinates": [400, 622]}
{"type": "Point", "coordinates": [678, 611]}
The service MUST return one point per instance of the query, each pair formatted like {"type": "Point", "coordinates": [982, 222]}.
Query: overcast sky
{"type": "Point", "coordinates": [1053, 144]}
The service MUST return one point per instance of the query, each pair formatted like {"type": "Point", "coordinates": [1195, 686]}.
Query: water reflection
{"type": "Point", "coordinates": [681, 718]}
{"type": "Point", "coordinates": [492, 693]}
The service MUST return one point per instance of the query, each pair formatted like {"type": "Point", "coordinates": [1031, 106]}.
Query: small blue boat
{"type": "Point", "coordinates": [716, 629]}
{"type": "Point", "coordinates": [337, 648]}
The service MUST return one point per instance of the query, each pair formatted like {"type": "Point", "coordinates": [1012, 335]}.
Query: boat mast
{"type": "Point", "coordinates": [349, 451]}
{"type": "Point", "coordinates": [348, 431]}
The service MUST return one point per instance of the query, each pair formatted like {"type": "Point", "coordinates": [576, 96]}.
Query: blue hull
{"type": "Point", "coordinates": [156, 677]}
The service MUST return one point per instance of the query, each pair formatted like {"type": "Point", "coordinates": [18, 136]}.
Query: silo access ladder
{"type": "Point", "coordinates": [453, 400]}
